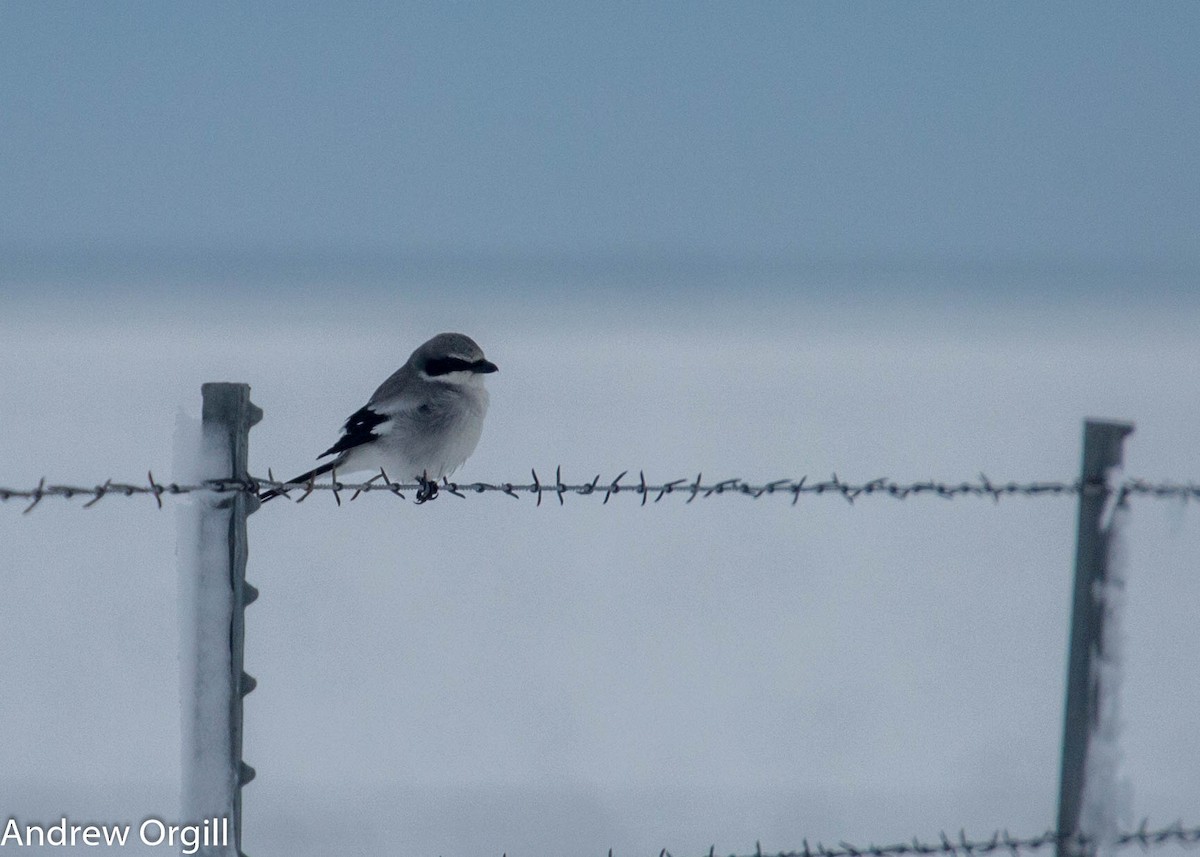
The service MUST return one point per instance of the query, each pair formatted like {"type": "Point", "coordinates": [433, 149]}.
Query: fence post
{"type": "Point", "coordinates": [213, 721]}
{"type": "Point", "coordinates": [1102, 449]}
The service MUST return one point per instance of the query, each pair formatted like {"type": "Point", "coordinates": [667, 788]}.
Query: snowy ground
{"type": "Point", "coordinates": [484, 676]}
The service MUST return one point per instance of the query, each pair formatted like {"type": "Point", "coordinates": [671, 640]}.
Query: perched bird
{"type": "Point", "coordinates": [422, 423]}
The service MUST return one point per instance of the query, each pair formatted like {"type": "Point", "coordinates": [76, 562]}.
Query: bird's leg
{"type": "Point", "coordinates": [427, 488]}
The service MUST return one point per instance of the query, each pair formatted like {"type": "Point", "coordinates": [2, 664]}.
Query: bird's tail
{"type": "Point", "coordinates": [302, 478]}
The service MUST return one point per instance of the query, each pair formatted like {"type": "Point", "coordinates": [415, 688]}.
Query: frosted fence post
{"type": "Point", "coordinates": [1102, 450]}
{"type": "Point", "coordinates": [214, 778]}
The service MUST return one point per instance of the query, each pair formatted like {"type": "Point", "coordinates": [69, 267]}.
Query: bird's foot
{"type": "Point", "coordinates": [427, 489]}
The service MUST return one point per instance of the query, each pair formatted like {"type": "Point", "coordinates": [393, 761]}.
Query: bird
{"type": "Point", "coordinates": [423, 422]}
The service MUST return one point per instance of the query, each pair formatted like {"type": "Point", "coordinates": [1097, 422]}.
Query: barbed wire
{"type": "Point", "coordinates": [1000, 841]}
{"type": "Point", "coordinates": [690, 488]}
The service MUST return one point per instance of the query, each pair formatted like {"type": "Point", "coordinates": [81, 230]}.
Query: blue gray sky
{"type": "Point", "coordinates": [144, 136]}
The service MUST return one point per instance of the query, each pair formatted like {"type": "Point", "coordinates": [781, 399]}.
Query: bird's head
{"type": "Point", "coordinates": [452, 358]}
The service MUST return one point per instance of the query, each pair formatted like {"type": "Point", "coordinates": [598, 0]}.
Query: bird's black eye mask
{"type": "Point", "coordinates": [445, 365]}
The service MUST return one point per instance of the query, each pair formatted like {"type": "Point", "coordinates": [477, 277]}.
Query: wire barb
{"type": "Point", "coordinates": [614, 488]}
{"type": "Point", "coordinates": [155, 488]}
{"type": "Point", "coordinates": [309, 488]}
{"type": "Point", "coordinates": [37, 496]}
{"type": "Point", "coordinates": [99, 492]}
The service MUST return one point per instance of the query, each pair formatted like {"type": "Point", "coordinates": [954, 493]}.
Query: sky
{"type": "Point", "coordinates": [935, 133]}
{"type": "Point", "coordinates": [921, 241]}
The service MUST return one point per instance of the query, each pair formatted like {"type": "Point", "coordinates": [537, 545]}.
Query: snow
{"type": "Point", "coordinates": [1107, 806]}
{"type": "Point", "coordinates": [565, 679]}
{"type": "Point", "coordinates": [205, 610]}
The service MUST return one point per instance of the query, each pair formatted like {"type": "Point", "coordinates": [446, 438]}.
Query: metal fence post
{"type": "Point", "coordinates": [1102, 450]}
{"type": "Point", "coordinates": [227, 417]}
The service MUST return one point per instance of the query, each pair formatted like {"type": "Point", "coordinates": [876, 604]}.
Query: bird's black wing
{"type": "Point", "coordinates": [359, 429]}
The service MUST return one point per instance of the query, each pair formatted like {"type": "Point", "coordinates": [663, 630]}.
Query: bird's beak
{"type": "Point", "coordinates": [485, 367]}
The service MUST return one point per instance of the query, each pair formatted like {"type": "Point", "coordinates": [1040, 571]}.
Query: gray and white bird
{"type": "Point", "coordinates": [422, 423]}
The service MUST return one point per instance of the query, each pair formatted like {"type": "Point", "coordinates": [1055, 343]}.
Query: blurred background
{"type": "Point", "coordinates": [920, 241]}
